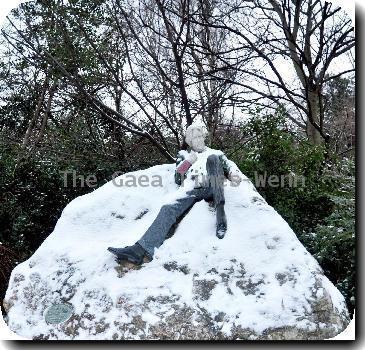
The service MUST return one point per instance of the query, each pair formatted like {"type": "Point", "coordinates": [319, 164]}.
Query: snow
{"type": "Point", "coordinates": [75, 254]}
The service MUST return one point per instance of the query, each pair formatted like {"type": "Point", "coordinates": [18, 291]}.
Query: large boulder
{"type": "Point", "coordinates": [259, 282]}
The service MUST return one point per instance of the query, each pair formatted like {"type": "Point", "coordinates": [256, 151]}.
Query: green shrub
{"type": "Point", "coordinates": [275, 150]}
{"type": "Point", "coordinates": [32, 190]}
{"type": "Point", "coordinates": [32, 197]}
{"type": "Point", "coordinates": [333, 242]}
{"type": "Point", "coordinates": [320, 210]}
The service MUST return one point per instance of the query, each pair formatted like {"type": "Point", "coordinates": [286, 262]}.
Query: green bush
{"type": "Point", "coordinates": [32, 190]}
{"type": "Point", "coordinates": [333, 242]}
{"type": "Point", "coordinates": [320, 210]}
{"type": "Point", "coordinates": [32, 197]}
{"type": "Point", "coordinates": [275, 150]}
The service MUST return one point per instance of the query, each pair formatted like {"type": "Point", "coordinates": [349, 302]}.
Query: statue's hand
{"type": "Point", "coordinates": [235, 178]}
{"type": "Point", "coordinates": [192, 158]}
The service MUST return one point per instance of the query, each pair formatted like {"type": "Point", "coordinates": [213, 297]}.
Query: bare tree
{"type": "Point", "coordinates": [166, 63]}
{"type": "Point", "coordinates": [170, 60]}
{"type": "Point", "coordinates": [43, 52]}
{"type": "Point", "coordinates": [213, 78]}
{"type": "Point", "coordinates": [308, 34]}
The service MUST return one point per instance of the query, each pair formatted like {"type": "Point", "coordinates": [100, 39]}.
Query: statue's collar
{"type": "Point", "coordinates": [205, 148]}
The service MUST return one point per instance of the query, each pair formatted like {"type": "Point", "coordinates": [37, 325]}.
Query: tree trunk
{"type": "Point", "coordinates": [47, 112]}
{"type": "Point", "coordinates": [313, 134]}
{"type": "Point", "coordinates": [36, 114]}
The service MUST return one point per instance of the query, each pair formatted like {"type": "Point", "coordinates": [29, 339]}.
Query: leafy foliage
{"type": "Point", "coordinates": [320, 209]}
{"type": "Point", "coordinates": [333, 242]}
{"type": "Point", "coordinates": [276, 151]}
{"type": "Point", "coordinates": [33, 192]}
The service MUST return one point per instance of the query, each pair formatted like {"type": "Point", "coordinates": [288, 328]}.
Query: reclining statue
{"type": "Point", "coordinates": [207, 168]}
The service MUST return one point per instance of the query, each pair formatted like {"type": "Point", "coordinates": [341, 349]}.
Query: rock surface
{"type": "Point", "coordinates": [259, 282]}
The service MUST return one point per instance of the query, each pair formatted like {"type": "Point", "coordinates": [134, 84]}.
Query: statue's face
{"type": "Point", "coordinates": [197, 141]}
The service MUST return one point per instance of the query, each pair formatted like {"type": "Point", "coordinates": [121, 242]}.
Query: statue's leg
{"type": "Point", "coordinates": [167, 218]}
{"type": "Point", "coordinates": [216, 178]}
{"type": "Point", "coordinates": [216, 182]}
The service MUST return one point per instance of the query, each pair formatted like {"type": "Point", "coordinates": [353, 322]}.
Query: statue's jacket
{"type": "Point", "coordinates": [197, 171]}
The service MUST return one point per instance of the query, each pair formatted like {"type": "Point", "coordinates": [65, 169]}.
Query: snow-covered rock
{"type": "Point", "coordinates": [259, 282]}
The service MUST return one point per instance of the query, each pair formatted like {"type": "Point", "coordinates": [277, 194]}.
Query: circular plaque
{"type": "Point", "coordinates": [58, 313]}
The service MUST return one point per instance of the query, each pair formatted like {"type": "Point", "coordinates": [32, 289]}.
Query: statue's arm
{"type": "Point", "coordinates": [225, 165]}
{"type": "Point", "coordinates": [179, 177]}
{"type": "Point", "coordinates": [231, 170]}
{"type": "Point", "coordinates": [184, 160]}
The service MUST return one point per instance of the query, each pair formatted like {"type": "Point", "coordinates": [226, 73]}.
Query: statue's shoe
{"type": "Point", "coordinates": [221, 230]}
{"type": "Point", "coordinates": [133, 254]}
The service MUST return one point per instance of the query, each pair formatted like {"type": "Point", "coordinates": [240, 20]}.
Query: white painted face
{"type": "Point", "coordinates": [197, 141]}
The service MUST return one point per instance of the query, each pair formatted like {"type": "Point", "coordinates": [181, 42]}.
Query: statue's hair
{"type": "Point", "coordinates": [191, 128]}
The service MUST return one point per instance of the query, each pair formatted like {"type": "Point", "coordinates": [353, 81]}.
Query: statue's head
{"type": "Point", "coordinates": [195, 136]}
